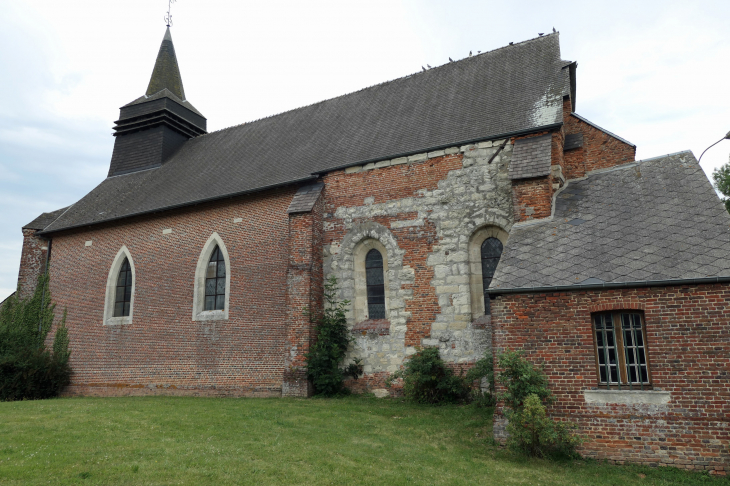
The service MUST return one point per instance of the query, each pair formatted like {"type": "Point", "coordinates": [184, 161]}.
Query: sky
{"type": "Point", "coordinates": [653, 72]}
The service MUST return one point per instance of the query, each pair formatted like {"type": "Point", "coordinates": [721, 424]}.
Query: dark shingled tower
{"type": "Point", "coordinates": [153, 127]}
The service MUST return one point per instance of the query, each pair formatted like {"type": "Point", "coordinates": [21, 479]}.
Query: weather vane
{"type": "Point", "coordinates": [168, 17]}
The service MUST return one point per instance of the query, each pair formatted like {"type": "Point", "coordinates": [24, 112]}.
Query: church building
{"type": "Point", "coordinates": [466, 207]}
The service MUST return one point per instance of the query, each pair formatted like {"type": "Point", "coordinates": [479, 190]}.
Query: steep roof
{"type": "Point", "coordinates": [653, 220]}
{"type": "Point", "coordinates": [515, 89]}
{"type": "Point", "coordinates": [166, 74]}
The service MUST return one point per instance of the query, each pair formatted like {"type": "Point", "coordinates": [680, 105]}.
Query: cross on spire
{"type": "Point", "coordinates": [168, 17]}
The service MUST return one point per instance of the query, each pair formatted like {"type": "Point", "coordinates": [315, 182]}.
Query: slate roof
{"type": "Point", "coordinates": [166, 73]}
{"type": "Point", "coordinates": [658, 219]}
{"type": "Point", "coordinates": [305, 198]}
{"type": "Point", "coordinates": [531, 157]}
{"type": "Point", "coordinates": [45, 219]}
{"type": "Point", "coordinates": [515, 89]}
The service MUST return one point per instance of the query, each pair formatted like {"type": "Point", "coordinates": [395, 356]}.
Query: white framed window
{"type": "Point", "coordinates": [212, 289]}
{"type": "Point", "coordinates": [120, 287]}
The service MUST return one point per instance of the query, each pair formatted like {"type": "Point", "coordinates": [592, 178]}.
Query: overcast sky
{"type": "Point", "coordinates": [653, 72]}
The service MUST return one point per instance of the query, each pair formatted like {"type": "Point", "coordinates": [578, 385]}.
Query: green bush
{"type": "Point", "coordinates": [530, 430]}
{"type": "Point", "coordinates": [483, 372]}
{"type": "Point", "coordinates": [533, 433]}
{"type": "Point", "coordinates": [333, 338]}
{"type": "Point", "coordinates": [520, 379]}
{"type": "Point", "coordinates": [427, 379]}
{"type": "Point", "coordinates": [27, 369]}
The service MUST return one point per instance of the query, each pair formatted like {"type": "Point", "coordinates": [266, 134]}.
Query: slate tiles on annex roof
{"type": "Point", "coordinates": [657, 219]}
{"type": "Point", "coordinates": [531, 157]}
{"type": "Point", "coordinates": [514, 89]}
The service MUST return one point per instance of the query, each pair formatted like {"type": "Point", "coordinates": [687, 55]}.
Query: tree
{"type": "Point", "coordinates": [721, 178]}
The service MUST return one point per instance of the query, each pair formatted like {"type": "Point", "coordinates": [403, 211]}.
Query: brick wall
{"type": "Point", "coordinates": [532, 198]}
{"type": "Point", "coordinates": [600, 150]}
{"type": "Point", "coordinates": [688, 342]}
{"type": "Point", "coordinates": [32, 262]}
{"type": "Point", "coordinates": [163, 350]}
{"type": "Point", "coordinates": [304, 292]}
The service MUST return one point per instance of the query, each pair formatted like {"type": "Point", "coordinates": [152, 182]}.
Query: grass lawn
{"type": "Point", "coordinates": [356, 440]}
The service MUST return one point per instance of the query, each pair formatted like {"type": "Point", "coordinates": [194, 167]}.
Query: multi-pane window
{"type": "Point", "coordinates": [215, 281]}
{"type": "Point", "coordinates": [375, 282]}
{"type": "Point", "coordinates": [621, 349]}
{"type": "Point", "coordinates": [123, 293]}
{"type": "Point", "coordinates": [491, 252]}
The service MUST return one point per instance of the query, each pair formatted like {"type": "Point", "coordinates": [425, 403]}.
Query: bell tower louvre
{"type": "Point", "coordinates": [153, 127]}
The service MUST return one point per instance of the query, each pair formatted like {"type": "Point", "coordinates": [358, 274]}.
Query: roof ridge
{"type": "Point", "coordinates": [511, 45]}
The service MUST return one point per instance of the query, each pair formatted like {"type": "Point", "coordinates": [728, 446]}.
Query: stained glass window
{"type": "Point", "coordinates": [123, 294]}
{"type": "Point", "coordinates": [491, 252]}
{"type": "Point", "coordinates": [375, 284]}
{"type": "Point", "coordinates": [215, 281]}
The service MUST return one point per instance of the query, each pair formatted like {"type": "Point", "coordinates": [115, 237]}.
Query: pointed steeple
{"type": "Point", "coordinates": [166, 73]}
{"type": "Point", "coordinates": [153, 127]}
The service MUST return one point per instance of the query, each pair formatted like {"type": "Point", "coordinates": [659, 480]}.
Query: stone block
{"type": "Point", "coordinates": [399, 161]}
{"type": "Point", "coordinates": [382, 163]}
{"type": "Point", "coordinates": [451, 151]}
{"type": "Point", "coordinates": [353, 169]}
{"type": "Point", "coordinates": [436, 153]}
{"type": "Point", "coordinates": [417, 157]}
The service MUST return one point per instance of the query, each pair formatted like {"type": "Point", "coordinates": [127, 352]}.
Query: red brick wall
{"type": "Point", "coordinates": [688, 341]}
{"type": "Point", "coordinates": [304, 291]}
{"type": "Point", "coordinates": [600, 150]}
{"type": "Point", "coordinates": [32, 262]}
{"type": "Point", "coordinates": [532, 198]}
{"type": "Point", "coordinates": [164, 350]}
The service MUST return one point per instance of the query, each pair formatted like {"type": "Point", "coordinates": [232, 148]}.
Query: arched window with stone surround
{"type": "Point", "coordinates": [123, 293]}
{"type": "Point", "coordinates": [485, 250]}
{"type": "Point", "coordinates": [212, 289]}
{"type": "Point", "coordinates": [375, 282]}
{"type": "Point", "coordinates": [120, 289]}
{"type": "Point", "coordinates": [491, 251]}
{"type": "Point", "coordinates": [215, 282]}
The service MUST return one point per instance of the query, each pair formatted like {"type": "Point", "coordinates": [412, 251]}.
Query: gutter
{"type": "Point", "coordinates": [610, 286]}
{"type": "Point", "coordinates": [441, 147]}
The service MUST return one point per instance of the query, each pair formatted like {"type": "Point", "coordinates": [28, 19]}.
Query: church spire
{"type": "Point", "coordinates": [166, 73]}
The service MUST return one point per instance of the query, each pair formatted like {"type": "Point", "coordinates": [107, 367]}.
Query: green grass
{"type": "Point", "coordinates": [352, 441]}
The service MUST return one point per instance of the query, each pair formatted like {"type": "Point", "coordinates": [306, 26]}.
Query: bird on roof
{"type": "Point", "coordinates": [423, 68]}
{"type": "Point", "coordinates": [429, 66]}
{"type": "Point", "coordinates": [469, 53]}
{"type": "Point", "coordinates": [451, 60]}
{"type": "Point", "coordinates": [554, 31]}
{"type": "Point", "coordinates": [540, 33]}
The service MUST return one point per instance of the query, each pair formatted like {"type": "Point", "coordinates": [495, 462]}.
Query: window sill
{"type": "Point", "coordinates": [214, 315]}
{"type": "Point", "coordinates": [118, 321]}
{"type": "Point", "coordinates": [627, 397]}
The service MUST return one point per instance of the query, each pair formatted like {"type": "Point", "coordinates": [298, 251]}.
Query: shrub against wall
{"type": "Point", "coordinates": [530, 429]}
{"type": "Point", "coordinates": [326, 355]}
{"type": "Point", "coordinates": [427, 379]}
{"type": "Point", "coordinates": [27, 369]}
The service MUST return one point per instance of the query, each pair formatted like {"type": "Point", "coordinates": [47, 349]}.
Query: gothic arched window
{"type": "Point", "coordinates": [215, 281]}
{"type": "Point", "coordinates": [375, 282]}
{"type": "Point", "coordinates": [123, 294]}
{"type": "Point", "coordinates": [491, 252]}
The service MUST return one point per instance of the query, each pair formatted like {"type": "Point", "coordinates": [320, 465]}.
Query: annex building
{"type": "Point", "coordinates": [467, 207]}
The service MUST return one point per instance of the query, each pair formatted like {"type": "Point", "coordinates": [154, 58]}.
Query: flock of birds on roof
{"type": "Point", "coordinates": [479, 52]}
